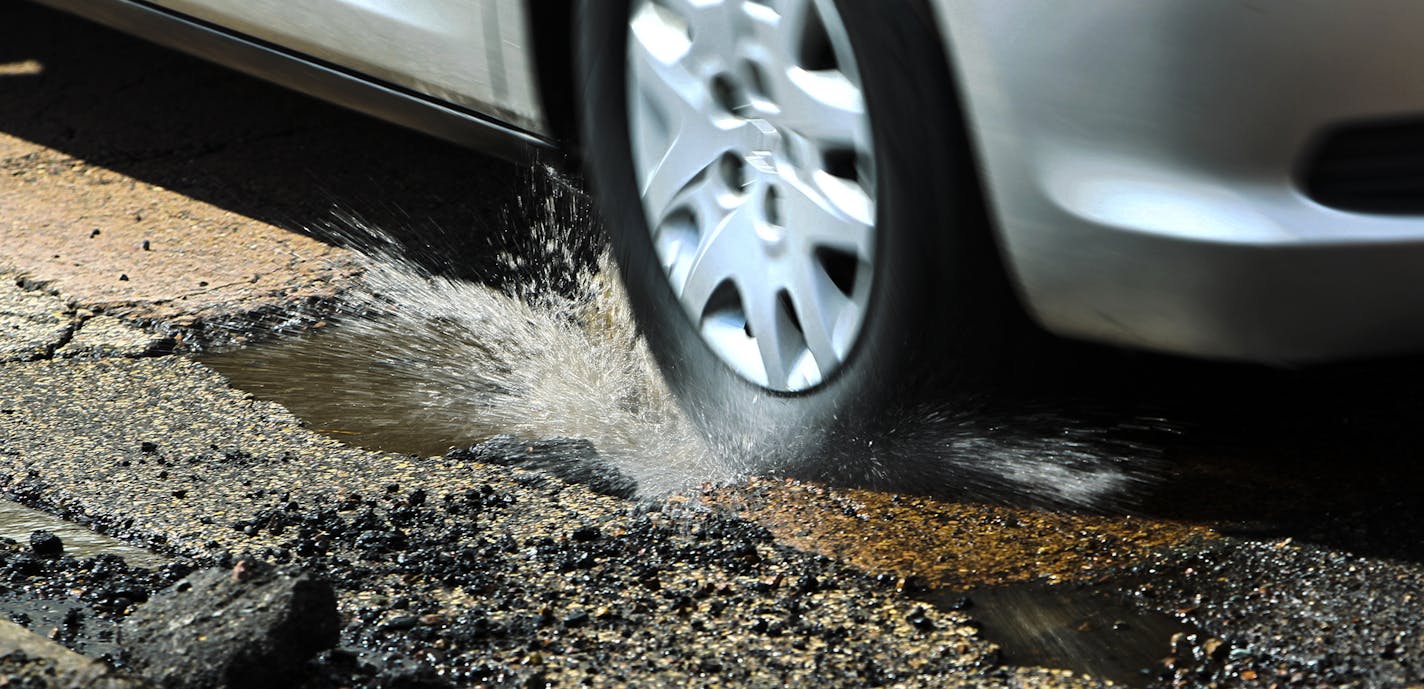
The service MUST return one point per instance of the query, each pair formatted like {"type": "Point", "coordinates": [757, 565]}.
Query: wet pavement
{"type": "Point", "coordinates": [17, 522]}
{"type": "Point", "coordinates": [1126, 518]}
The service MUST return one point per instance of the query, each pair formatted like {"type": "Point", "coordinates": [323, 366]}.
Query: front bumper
{"type": "Point", "coordinates": [1142, 163]}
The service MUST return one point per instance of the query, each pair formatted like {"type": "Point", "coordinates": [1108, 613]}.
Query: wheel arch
{"type": "Point", "coordinates": [551, 28]}
{"type": "Point", "coordinates": [971, 143]}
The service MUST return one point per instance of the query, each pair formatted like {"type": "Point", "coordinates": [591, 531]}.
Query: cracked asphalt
{"type": "Point", "coordinates": [152, 206]}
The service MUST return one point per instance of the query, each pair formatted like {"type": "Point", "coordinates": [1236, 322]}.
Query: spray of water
{"type": "Point", "coordinates": [552, 351]}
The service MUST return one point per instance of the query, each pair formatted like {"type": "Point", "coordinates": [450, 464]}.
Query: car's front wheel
{"type": "Point", "coordinates": [791, 206]}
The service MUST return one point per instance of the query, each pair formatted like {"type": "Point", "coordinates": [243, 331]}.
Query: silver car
{"type": "Point", "coordinates": [818, 205]}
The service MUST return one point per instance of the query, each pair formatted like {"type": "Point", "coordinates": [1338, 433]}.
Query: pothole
{"type": "Point", "coordinates": [1070, 628]}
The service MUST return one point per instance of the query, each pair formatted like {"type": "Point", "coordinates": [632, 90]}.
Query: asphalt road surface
{"type": "Point", "coordinates": [1118, 518]}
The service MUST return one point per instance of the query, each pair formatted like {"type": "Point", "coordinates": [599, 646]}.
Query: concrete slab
{"type": "Point", "coordinates": [145, 253]}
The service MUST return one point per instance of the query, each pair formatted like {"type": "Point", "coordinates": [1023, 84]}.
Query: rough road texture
{"type": "Point", "coordinates": [32, 324]}
{"type": "Point", "coordinates": [502, 575]}
{"type": "Point", "coordinates": [37, 324]}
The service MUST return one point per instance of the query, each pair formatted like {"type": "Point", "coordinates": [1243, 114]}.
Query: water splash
{"type": "Point", "coordinates": [417, 359]}
{"type": "Point", "coordinates": [421, 359]}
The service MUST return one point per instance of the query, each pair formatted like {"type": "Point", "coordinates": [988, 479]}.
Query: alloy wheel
{"type": "Point", "coordinates": [755, 168]}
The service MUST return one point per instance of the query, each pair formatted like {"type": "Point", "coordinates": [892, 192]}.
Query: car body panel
{"type": "Point", "coordinates": [1141, 161]}
{"type": "Point", "coordinates": [473, 53]}
{"type": "Point", "coordinates": [313, 77]}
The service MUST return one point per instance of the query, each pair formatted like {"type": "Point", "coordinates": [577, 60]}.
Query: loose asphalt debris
{"type": "Point", "coordinates": [571, 459]}
{"type": "Point", "coordinates": [246, 627]}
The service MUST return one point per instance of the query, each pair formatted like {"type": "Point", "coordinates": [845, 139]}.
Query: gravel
{"type": "Point", "coordinates": [512, 577]}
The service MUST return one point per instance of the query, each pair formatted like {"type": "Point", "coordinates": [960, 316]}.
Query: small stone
{"type": "Point", "coordinates": [920, 621]}
{"type": "Point", "coordinates": [586, 534]}
{"type": "Point", "coordinates": [401, 623]}
{"type": "Point", "coordinates": [577, 618]}
{"type": "Point", "coordinates": [123, 277]}
{"type": "Point", "coordinates": [244, 570]}
{"type": "Point", "coordinates": [46, 544]}
{"type": "Point", "coordinates": [1214, 648]}
{"type": "Point", "coordinates": [148, 448]}
{"type": "Point", "coordinates": [807, 583]}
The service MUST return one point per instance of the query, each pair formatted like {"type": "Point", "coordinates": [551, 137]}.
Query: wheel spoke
{"type": "Point", "coordinates": [819, 308]}
{"type": "Point", "coordinates": [777, 30]}
{"type": "Point", "coordinates": [689, 9]}
{"type": "Point", "coordinates": [837, 36]}
{"type": "Point", "coordinates": [719, 256]}
{"type": "Point", "coordinates": [658, 53]}
{"type": "Point", "coordinates": [843, 224]}
{"type": "Point", "coordinates": [689, 156]}
{"type": "Point", "coordinates": [774, 332]}
{"type": "Point", "coordinates": [825, 107]}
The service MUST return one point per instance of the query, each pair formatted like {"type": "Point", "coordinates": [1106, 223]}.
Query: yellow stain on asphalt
{"type": "Point", "coordinates": [22, 68]}
{"type": "Point", "coordinates": [957, 545]}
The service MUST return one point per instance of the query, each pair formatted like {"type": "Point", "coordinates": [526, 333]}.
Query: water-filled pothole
{"type": "Point", "coordinates": [350, 384]}
{"type": "Point", "coordinates": [1070, 628]}
{"type": "Point", "coordinates": [345, 382]}
{"type": "Point", "coordinates": [416, 362]}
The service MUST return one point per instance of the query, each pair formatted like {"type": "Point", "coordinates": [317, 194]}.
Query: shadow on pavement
{"type": "Point", "coordinates": [255, 149]}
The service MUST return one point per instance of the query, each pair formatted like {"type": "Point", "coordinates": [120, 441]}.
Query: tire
{"type": "Point", "coordinates": [934, 308]}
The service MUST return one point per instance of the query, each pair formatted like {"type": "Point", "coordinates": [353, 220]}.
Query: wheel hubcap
{"type": "Point", "coordinates": [753, 157]}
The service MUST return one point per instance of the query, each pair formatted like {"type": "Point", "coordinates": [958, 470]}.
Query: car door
{"type": "Point", "coordinates": [475, 54]}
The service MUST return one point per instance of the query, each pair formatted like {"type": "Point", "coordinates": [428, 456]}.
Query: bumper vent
{"type": "Point", "coordinates": [1370, 169]}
